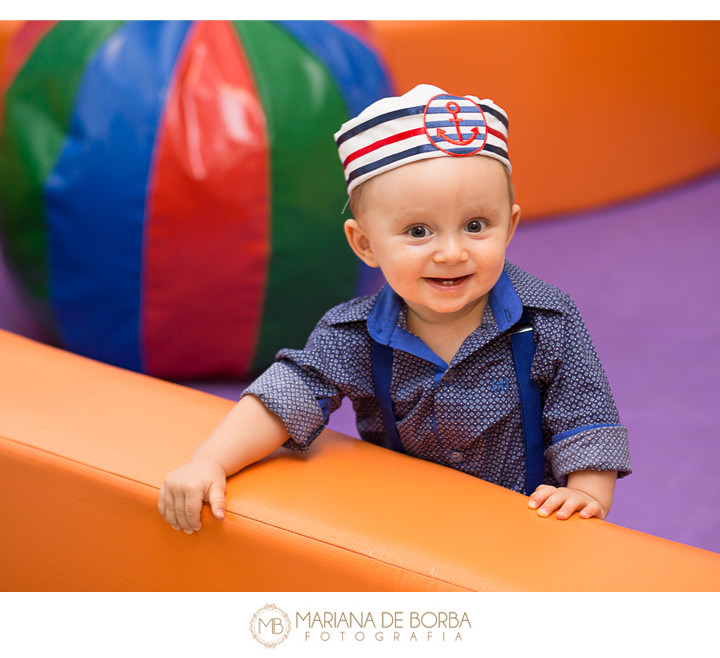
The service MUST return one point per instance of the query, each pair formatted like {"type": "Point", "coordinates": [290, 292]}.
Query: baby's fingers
{"type": "Point", "coordinates": [572, 503]}
{"type": "Point", "coordinates": [586, 506]}
{"type": "Point", "coordinates": [540, 495]}
{"type": "Point", "coordinates": [555, 501]}
{"type": "Point", "coordinates": [181, 508]}
{"type": "Point", "coordinates": [216, 498]}
{"type": "Point", "coordinates": [166, 506]}
{"type": "Point", "coordinates": [593, 508]}
{"type": "Point", "coordinates": [188, 509]}
{"type": "Point", "coordinates": [547, 499]}
{"type": "Point", "coordinates": [566, 502]}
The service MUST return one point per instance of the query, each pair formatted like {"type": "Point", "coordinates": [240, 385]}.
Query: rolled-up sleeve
{"type": "Point", "coordinates": [601, 448]}
{"type": "Point", "coordinates": [580, 419]}
{"type": "Point", "coordinates": [303, 387]}
{"type": "Point", "coordinates": [287, 390]}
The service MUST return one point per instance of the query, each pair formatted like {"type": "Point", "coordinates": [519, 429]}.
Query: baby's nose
{"type": "Point", "coordinates": [450, 250]}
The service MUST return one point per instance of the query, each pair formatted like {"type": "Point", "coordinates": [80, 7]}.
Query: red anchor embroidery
{"type": "Point", "coordinates": [453, 108]}
{"type": "Point", "coordinates": [440, 139]}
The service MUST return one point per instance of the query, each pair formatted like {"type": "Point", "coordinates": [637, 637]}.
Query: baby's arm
{"type": "Point", "coordinates": [247, 434]}
{"type": "Point", "coordinates": [590, 493]}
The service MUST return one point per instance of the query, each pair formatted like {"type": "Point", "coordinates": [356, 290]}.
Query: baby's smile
{"type": "Point", "coordinates": [447, 283]}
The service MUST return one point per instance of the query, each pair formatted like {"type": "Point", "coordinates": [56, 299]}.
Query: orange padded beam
{"type": "Point", "coordinates": [85, 446]}
{"type": "Point", "coordinates": [600, 111]}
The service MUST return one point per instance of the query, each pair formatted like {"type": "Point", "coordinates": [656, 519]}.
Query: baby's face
{"type": "Point", "coordinates": [439, 229]}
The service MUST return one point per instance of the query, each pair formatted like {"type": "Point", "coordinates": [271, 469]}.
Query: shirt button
{"type": "Point", "coordinates": [456, 457]}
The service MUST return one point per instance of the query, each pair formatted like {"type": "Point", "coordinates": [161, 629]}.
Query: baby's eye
{"type": "Point", "coordinates": [418, 231]}
{"type": "Point", "coordinates": [475, 226]}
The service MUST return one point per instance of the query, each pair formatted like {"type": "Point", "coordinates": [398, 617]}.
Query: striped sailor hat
{"type": "Point", "coordinates": [426, 122]}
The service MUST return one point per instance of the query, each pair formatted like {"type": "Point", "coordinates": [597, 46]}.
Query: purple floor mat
{"type": "Point", "coordinates": [645, 277]}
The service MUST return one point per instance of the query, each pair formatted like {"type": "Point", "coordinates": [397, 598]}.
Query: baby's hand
{"type": "Point", "coordinates": [186, 488]}
{"type": "Point", "coordinates": [566, 501]}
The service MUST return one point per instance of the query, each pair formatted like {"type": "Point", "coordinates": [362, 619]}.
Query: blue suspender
{"type": "Point", "coordinates": [382, 360]}
{"type": "Point", "coordinates": [523, 349]}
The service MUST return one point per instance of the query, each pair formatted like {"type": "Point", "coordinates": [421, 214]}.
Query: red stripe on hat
{"type": "Point", "coordinates": [497, 134]}
{"type": "Point", "coordinates": [383, 142]}
{"type": "Point", "coordinates": [207, 243]}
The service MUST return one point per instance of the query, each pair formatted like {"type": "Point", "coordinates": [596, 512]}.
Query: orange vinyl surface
{"type": "Point", "coordinates": [600, 111]}
{"type": "Point", "coordinates": [85, 446]}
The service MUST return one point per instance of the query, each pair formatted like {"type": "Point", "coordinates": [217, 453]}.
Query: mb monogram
{"type": "Point", "coordinates": [270, 626]}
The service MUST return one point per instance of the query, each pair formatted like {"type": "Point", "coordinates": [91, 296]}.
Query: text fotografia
{"type": "Point", "coordinates": [398, 626]}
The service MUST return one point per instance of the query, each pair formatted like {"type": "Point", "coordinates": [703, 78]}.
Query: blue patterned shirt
{"type": "Point", "coordinates": [466, 414]}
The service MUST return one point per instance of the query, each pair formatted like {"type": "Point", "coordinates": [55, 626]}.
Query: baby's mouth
{"type": "Point", "coordinates": [447, 282]}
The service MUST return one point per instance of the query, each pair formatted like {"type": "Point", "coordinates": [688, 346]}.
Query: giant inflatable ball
{"type": "Point", "coordinates": [170, 193]}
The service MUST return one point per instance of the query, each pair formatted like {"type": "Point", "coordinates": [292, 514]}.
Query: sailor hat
{"type": "Point", "coordinates": [426, 122]}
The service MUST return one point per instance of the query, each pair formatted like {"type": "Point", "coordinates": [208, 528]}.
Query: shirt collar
{"type": "Point", "coordinates": [382, 321]}
{"type": "Point", "coordinates": [505, 303]}
{"type": "Point", "coordinates": [384, 315]}
{"type": "Point", "coordinates": [384, 328]}
{"type": "Point", "coordinates": [382, 324]}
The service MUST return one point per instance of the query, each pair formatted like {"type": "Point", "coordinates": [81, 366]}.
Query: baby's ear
{"type": "Point", "coordinates": [514, 221]}
{"type": "Point", "coordinates": [359, 242]}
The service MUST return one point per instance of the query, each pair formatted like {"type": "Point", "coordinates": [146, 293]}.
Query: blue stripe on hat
{"type": "Point", "coordinates": [497, 151]}
{"type": "Point", "coordinates": [498, 115]}
{"type": "Point", "coordinates": [464, 136]}
{"type": "Point", "coordinates": [382, 118]}
{"type": "Point", "coordinates": [447, 124]}
{"type": "Point", "coordinates": [457, 150]}
{"type": "Point", "coordinates": [469, 109]}
{"type": "Point", "coordinates": [425, 148]}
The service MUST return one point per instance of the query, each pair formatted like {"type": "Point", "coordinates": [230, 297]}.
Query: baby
{"type": "Point", "coordinates": [462, 358]}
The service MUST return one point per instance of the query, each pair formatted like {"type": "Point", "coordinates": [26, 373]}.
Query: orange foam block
{"type": "Point", "coordinates": [85, 446]}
